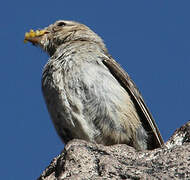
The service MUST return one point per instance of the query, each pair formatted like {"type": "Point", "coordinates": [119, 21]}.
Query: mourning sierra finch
{"type": "Point", "coordinates": [88, 95]}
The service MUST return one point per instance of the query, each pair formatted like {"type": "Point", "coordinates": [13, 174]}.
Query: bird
{"type": "Point", "coordinates": [88, 94]}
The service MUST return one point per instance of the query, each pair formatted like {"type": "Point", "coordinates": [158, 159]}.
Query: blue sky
{"type": "Point", "coordinates": [150, 39]}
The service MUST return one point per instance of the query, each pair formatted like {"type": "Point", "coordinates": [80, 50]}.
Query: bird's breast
{"type": "Point", "coordinates": [82, 95]}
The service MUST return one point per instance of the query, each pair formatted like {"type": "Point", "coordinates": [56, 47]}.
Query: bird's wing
{"type": "Point", "coordinates": [145, 115]}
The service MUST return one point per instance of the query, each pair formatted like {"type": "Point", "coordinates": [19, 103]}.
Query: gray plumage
{"type": "Point", "coordinates": [88, 95]}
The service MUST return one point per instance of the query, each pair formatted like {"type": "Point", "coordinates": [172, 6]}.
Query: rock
{"type": "Point", "coordinates": [85, 160]}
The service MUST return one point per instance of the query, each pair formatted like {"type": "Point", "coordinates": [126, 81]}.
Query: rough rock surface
{"type": "Point", "coordinates": [85, 160]}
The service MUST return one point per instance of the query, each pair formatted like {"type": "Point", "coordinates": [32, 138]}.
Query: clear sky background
{"type": "Point", "coordinates": [150, 39]}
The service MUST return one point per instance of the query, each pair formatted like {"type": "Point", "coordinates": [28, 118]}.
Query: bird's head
{"type": "Point", "coordinates": [51, 37]}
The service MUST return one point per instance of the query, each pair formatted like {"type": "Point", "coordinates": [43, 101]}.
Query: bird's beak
{"type": "Point", "coordinates": [34, 36]}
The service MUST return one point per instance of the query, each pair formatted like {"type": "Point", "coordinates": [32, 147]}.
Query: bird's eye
{"type": "Point", "coordinates": [61, 24]}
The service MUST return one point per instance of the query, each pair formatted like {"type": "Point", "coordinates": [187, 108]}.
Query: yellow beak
{"type": "Point", "coordinates": [34, 36]}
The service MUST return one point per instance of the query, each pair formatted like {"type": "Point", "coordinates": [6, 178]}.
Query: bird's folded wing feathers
{"type": "Point", "coordinates": [126, 82]}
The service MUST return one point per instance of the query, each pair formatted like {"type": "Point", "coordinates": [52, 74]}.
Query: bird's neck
{"type": "Point", "coordinates": [72, 47]}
